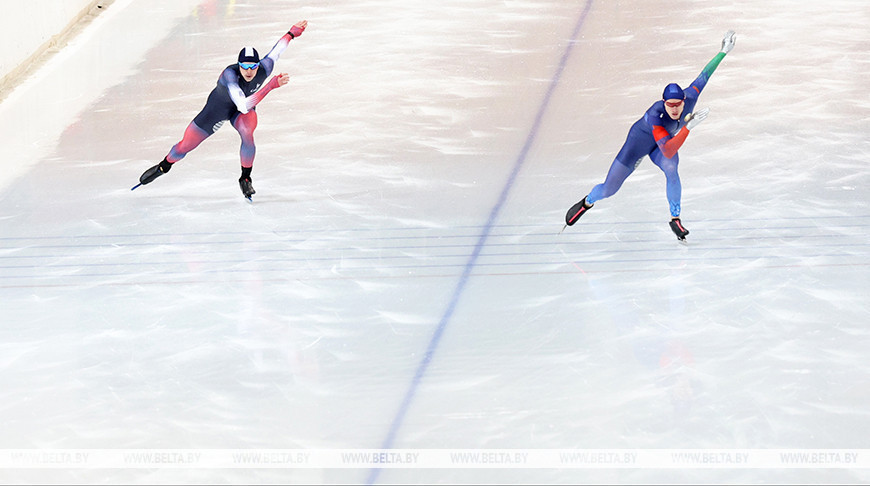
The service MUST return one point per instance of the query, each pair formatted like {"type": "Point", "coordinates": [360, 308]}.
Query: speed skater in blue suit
{"type": "Point", "coordinates": [659, 134]}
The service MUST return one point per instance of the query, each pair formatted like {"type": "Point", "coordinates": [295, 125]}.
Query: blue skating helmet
{"type": "Point", "coordinates": [249, 54]}
{"type": "Point", "coordinates": [673, 91]}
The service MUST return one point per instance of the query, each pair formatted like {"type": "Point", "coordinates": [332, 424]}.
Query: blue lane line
{"type": "Point", "coordinates": [472, 260]}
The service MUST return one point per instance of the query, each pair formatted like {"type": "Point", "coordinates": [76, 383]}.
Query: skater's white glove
{"type": "Point", "coordinates": [728, 41]}
{"type": "Point", "coordinates": [693, 119]}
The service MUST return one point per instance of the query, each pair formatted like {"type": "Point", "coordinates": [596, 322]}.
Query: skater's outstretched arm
{"type": "Point", "coordinates": [231, 77]}
{"type": "Point", "coordinates": [669, 145]}
{"type": "Point", "coordinates": [268, 62]}
{"type": "Point", "coordinates": [276, 82]}
{"type": "Point", "coordinates": [728, 41]}
{"type": "Point", "coordinates": [246, 104]}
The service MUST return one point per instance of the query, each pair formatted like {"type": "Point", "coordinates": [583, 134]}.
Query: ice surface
{"type": "Point", "coordinates": [180, 316]}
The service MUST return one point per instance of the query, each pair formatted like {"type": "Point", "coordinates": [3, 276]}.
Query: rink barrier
{"type": "Point", "coordinates": [36, 42]}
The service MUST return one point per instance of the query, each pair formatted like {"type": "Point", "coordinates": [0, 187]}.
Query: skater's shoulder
{"type": "Point", "coordinates": [657, 108]}
{"type": "Point", "coordinates": [230, 74]}
{"type": "Point", "coordinates": [654, 115]}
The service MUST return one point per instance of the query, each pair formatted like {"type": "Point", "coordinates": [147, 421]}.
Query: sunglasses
{"type": "Point", "coordinates": [248, 65]}
{"type": "Point", "coordinates": [674, 104]}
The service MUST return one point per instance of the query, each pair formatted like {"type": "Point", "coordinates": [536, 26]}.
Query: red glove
{"type": "Point", "coordinates": [282, 79]}
{"type": "Point", "coordinates": [297, 29]}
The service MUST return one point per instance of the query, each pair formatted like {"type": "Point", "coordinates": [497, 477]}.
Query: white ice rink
{"type": "Point", "coordinates": [399, 280]}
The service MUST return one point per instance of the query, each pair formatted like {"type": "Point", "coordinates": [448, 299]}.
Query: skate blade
{"type": "Point", "coordinates": [134, 187]}
{"type": "Point", "coordinates": [563, 229]}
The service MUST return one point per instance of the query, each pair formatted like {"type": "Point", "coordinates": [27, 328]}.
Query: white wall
{"type": "Point", "coordinates": [27, 28]}
{"type": "Point", "coordinates": [41, 107]}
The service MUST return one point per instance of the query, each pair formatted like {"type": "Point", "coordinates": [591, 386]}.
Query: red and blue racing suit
{"type": "Point", "coordinates": [233, 99]}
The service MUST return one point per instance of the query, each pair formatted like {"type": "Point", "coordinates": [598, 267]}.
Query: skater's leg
{"type": "Point", "coordinates": [208, 121]}
{"type": "Point", "coordinates": [245, 124]}
{"type": "Point", "coordinates": [615, 177]}
{"type": "Point", "coordinates": [637, 145]}
{"type": "Point", "coordinates": [193, 136]}
{"type": "Point", "coordinates": [674, 189]}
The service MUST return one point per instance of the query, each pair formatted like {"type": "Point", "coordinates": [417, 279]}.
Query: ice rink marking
{"type": "Point", "coordinates": [472, 260]}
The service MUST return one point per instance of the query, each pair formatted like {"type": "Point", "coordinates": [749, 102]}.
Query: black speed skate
{"type": "Point", "coordinates": [245, 183]}
{"type": "Point", "coordinates": [678, 229]}
{"type": "Point", "coordinates": [576, 211]}
{"type": "Point", "coordinates": [153, 173]}
{"type": "Point", "coordinates": [247, 187]}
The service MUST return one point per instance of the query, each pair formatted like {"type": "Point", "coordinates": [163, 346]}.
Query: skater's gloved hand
{"type": "Point", "coordinates": [297, 29]}
{"type": "Point", "coordinates": [282, 79]}
{"type": "Point", "coordinates": [693, 119]}
{"type": "Point", "coordinates": [728, 41]}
